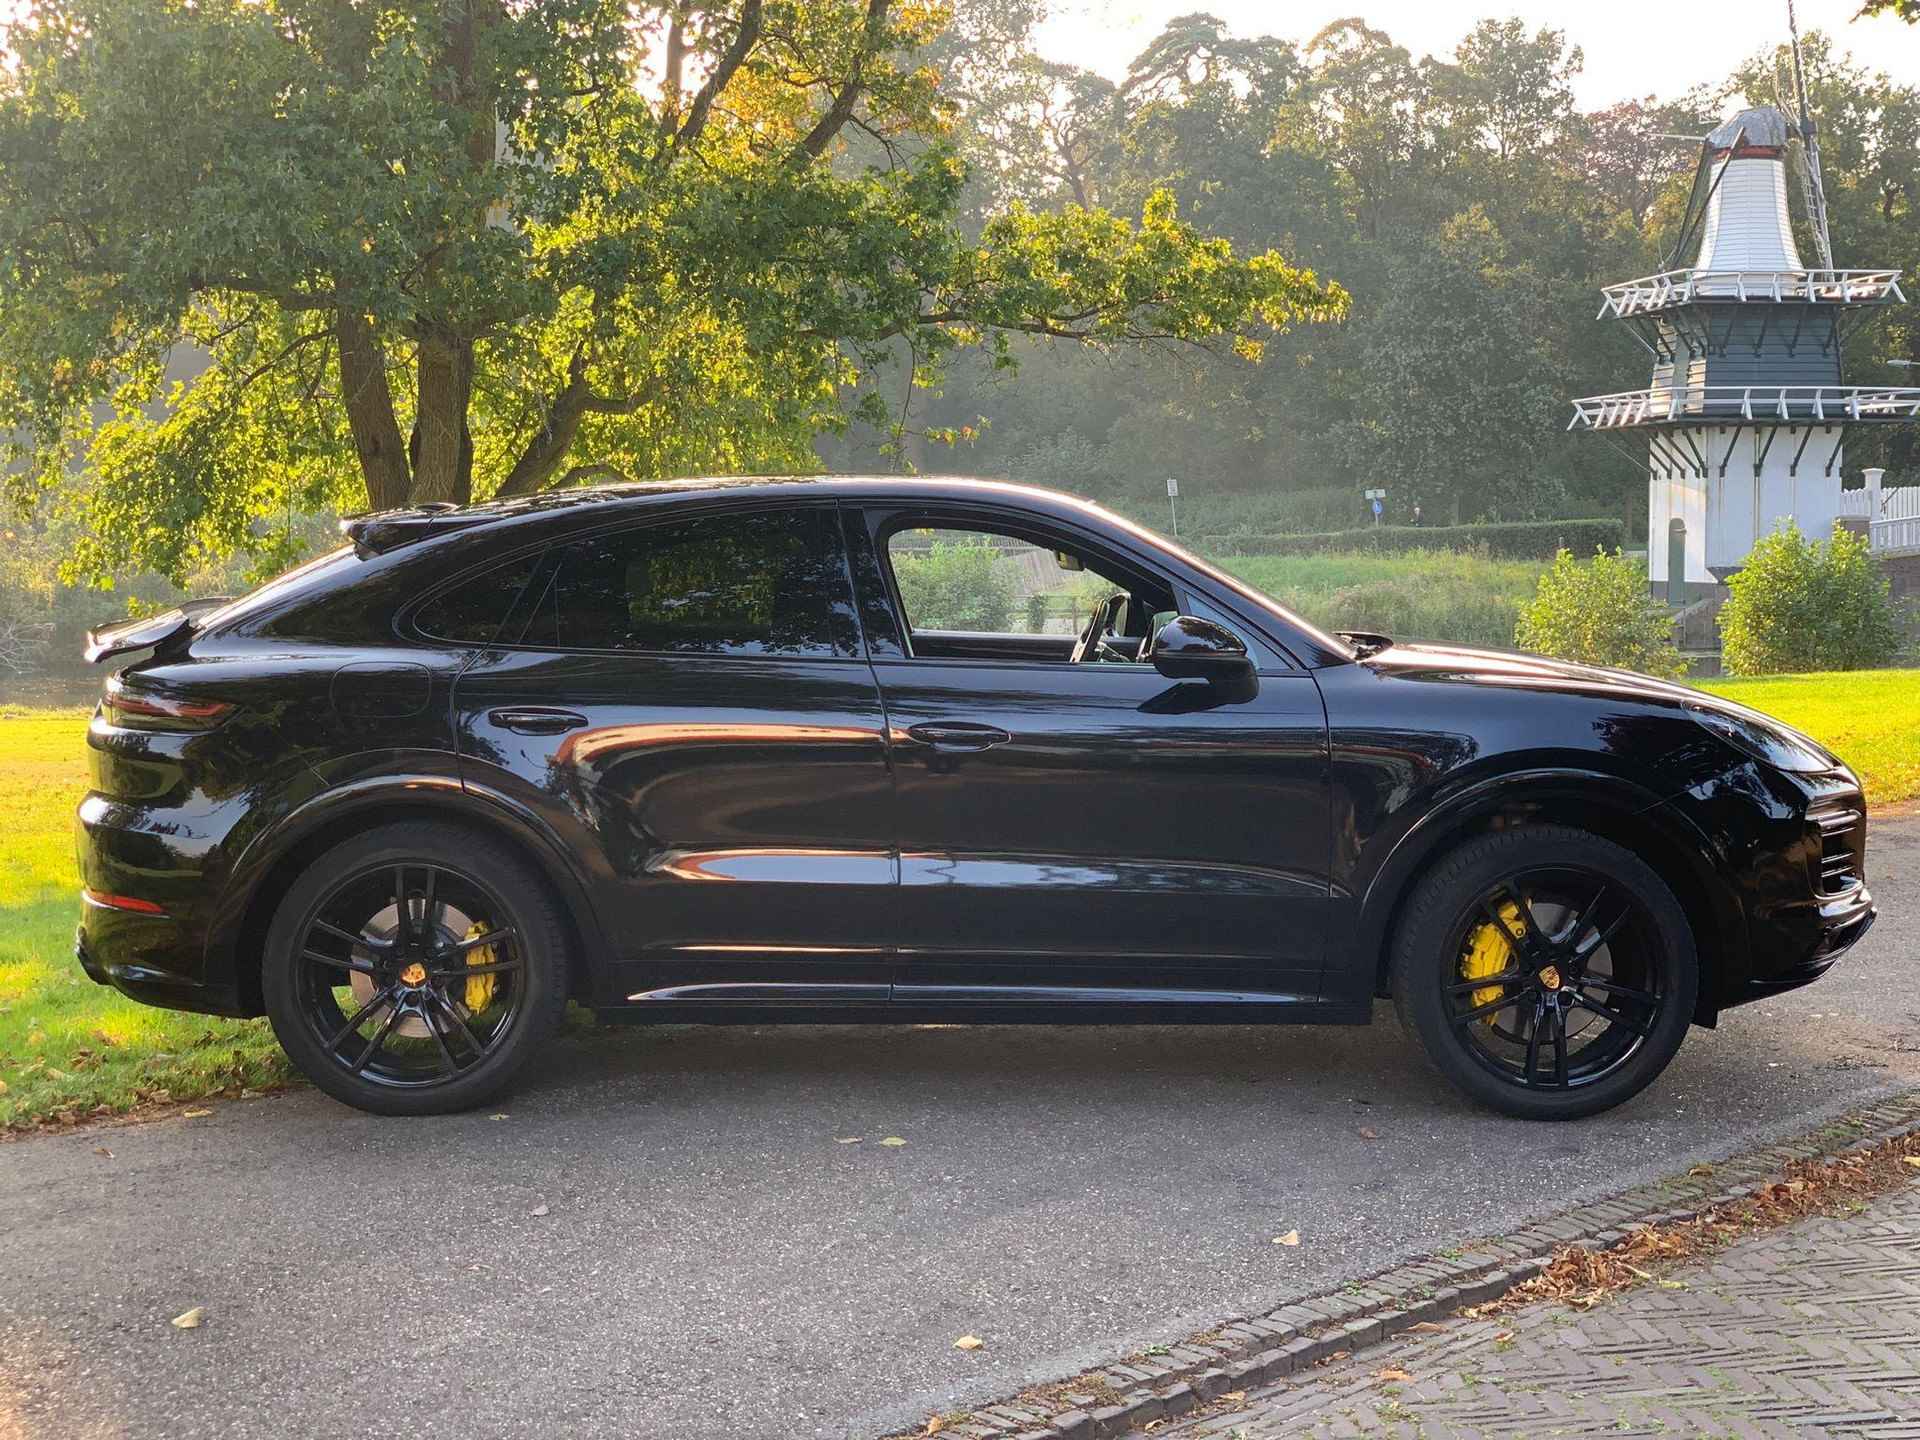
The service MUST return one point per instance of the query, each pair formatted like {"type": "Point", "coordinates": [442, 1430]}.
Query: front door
{"type": "Point", "coordinates": [685, 706]}
{"type": "Point", "coordinates": [1085, 827]}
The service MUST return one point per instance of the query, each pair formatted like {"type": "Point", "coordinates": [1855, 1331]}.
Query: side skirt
{"type": "Point", "coordinates": [798, 1011]}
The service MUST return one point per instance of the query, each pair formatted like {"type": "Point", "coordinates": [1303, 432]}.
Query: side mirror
{"type": "Point", "coordinates": [1188, 648]}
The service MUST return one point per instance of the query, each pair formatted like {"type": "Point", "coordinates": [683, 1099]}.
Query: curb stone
{"type": "Point", "coordinates": [1258, 1349]}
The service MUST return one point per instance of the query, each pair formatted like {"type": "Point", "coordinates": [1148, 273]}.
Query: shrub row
{"type": "Point", "coordinates": [1517, 539]}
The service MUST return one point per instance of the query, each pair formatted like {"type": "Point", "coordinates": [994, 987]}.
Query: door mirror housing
{"type": "Point", "coordinates": [1189, 648]}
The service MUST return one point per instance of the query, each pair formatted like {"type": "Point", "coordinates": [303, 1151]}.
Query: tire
{"type": "Point", "coordinates": [474, 968]}
{"type": "Point", "coordinates": [1507, 1036]}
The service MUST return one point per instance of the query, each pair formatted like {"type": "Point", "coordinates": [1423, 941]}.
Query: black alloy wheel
{"type": "Point", "coordinates": [1549, 973]}
{"type": "Point", "coordinates": [403, 982]}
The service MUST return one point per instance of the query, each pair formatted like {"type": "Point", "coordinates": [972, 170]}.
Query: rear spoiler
{"type": "Point", "coordinates": [117, 638]}
{"type": "Point", "coordinates": [386, 530]}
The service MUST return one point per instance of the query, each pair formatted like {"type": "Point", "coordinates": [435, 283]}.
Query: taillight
{"type": "Point", "coordinates": [150, 710]}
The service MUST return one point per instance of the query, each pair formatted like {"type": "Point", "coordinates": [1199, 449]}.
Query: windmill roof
{"type": "Point", "coordinates": [1764, 125]}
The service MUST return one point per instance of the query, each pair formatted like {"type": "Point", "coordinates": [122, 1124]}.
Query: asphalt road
{"type": "Point", "coordinates": [665, 1237]}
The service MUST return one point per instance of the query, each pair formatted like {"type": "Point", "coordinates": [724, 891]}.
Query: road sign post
{"type": "Point", "coordinates": [1375, 497]}
{"type": "Point", "coordinates": [1173, 494]}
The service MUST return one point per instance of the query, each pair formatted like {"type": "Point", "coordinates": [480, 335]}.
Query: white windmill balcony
{"type": "Point", "coordinates": [1653, 293]}
{"type": "Point", "coordinates": [1746, 404]}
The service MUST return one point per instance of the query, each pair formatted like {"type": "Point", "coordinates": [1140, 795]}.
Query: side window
{"type": "Point", "coordinates": [768, 583]}
{"type": "Point", "coordinates": [472, 610]}
{"type": "Point", "coordinates": [991, 584]}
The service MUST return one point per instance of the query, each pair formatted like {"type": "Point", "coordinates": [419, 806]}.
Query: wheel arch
{"type": "Point", "coordinates": [336, 814]}
{"type": "Point", "coordinates": [1602, 805]}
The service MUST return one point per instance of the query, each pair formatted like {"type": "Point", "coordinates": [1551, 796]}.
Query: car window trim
{"type": "Point", "coordinates": [544, 575]}
{"type": "Point", "coordinates": [406, 622]}
{"type": "Point", "coordinates": [882, 516]}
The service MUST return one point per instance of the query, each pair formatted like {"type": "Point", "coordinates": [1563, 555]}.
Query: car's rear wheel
{"type": "Point", "coordinates": [1549, 973]}
{"type": "Point", "coordinates": [414, 969]}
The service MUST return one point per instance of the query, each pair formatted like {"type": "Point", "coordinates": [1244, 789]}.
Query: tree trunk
{"type": "Point", "coordinates": [369, 404]}
{"type": "Point", "coordinates": [443, 455]}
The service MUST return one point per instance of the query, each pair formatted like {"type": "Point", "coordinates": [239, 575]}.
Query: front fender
{"type": "Point", "coordinates": [1613, 806]}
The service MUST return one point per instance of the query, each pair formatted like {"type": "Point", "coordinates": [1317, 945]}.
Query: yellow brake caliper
{"type": "Point", "coordinates": [479, 987]}
{"type": "Point", "coordinates": [1488, 953]}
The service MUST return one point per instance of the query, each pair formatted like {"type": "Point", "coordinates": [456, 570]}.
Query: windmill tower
{"type": "Point", "coordinates": [1746, 419]}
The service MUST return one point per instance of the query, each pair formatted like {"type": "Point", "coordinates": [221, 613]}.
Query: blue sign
{"type": "Point", "coordinates": [1376, 509]}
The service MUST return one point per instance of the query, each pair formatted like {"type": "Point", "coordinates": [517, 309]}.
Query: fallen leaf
{"type": "Point", "coordinates": [3, 1087]}
{"type": "Point", "coordinates": [855, 1140]}
{"type": "Point", "coordinates": [1913, 1160]}
{"type": "Point", "coordinates": [1392, 1373]}
{"type": "Point", "coordinates": [894, 1140]}
{"type": "Point", "coordinates": [104, 1038]}
{"type": "Point", "coordinates": [497, 1117]}
{"type": "Point", "coordinates": [190, 1319]}
{"type": "Point", "coordinates": [1503, 1337]}
{"type": "Point", "coordinates": [1235, 1397]}
{"type": "Point", "coordinates": [1701, 1170]}
{"type": "Point", "coordinates": [1292, 1237]}
{"type": "Point", "coordinates": [102, 1151]}
{"type": "Point", "coordinates": [54, 1074]}
{"type": "Point", "coordinates": [195, 1114]}
{"type": "Point", "coordinates": [965, 1342]}
{"type": "Point", "coordinates": [935, 1424]}
{"type": "Point", "coordinates": [1427, 1327]}
{"type": "Point", "coordinates": [539, 1210]}
{"type": "Point", "coordinates": [1369, 1134]}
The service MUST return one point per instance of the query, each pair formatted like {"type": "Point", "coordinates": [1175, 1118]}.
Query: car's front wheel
{"type": "Point", "coordinates": [414, 969]}
{"type": "Point", "coordinates": [1549, 973]}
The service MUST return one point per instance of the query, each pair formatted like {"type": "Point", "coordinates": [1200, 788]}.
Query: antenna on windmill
{"type": "Point", "coordinates": [1810, 179]}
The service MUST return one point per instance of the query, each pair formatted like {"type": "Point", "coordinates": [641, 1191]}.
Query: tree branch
{"type": "Point", "coordinates": [744, 39]}
{"type": "Point", "coordinates": [815, 144]}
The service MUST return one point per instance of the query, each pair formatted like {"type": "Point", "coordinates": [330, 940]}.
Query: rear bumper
{"type": "Point", "coordinates": [149, 984]}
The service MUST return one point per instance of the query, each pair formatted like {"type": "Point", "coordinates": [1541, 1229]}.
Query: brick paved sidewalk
{"type": "Point", "coordinates": [1811, 1330]}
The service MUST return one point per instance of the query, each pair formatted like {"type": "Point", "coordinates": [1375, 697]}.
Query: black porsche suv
{"type": "Point", "coordinates": [883, 750]}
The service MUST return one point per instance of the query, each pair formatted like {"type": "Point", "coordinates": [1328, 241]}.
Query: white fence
{"type": "Point", "coordinates": [1679, 287]}
{"type": "Point", "coordinates": [1892, 514]}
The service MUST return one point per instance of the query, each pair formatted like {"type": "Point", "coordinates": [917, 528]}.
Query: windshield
{"type": "Point", "coordinates": [1257, 598]}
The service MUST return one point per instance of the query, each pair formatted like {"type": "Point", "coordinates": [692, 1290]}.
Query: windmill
{"type": "Point", "coordinates": [1745, 421]}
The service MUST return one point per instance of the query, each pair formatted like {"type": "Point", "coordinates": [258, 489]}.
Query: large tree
{"type": "Point", "coordinates": [443, 249]}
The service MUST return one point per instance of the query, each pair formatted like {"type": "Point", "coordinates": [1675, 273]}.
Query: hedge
{"type": "Point", "coordinates": [1519, 539]}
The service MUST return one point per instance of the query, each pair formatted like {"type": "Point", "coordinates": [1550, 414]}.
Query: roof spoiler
{"type": "Point", "coordinates": [147, 633]}
{"type": "Point", "coordinates": [386, 530]}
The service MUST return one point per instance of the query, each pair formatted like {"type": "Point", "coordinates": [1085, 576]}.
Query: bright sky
{"type": "Point", "coordinates": [1633, 47]}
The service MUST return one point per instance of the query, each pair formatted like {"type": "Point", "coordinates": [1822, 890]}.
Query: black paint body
{"type": "Point", "coordinates": [775, 837]}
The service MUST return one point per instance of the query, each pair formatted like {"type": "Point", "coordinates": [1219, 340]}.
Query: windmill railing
{"type": "Point", "coordinates": [1680, 287]}
{"type": "Point", "coordinates": [1745, 404]}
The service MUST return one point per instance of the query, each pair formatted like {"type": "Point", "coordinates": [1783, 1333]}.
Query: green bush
{"type": "Point", "coordinates": [954, 585]}
{"type": "Point", "coordinates": [1600, 613]}
{"type": "Point", "coordinates": [1520, 539]}
{"type": "Point", "coordinates": [1800, 604]}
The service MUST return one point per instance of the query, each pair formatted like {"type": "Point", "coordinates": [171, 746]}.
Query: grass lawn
{"type": "Point", "coordinates": [1444, 595]}
{"type": "Point", "coordinates": [1869, 718]}
{"type": "Point", "coordinates": [70, 1048]}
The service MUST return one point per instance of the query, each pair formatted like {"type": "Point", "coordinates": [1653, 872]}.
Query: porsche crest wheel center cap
{"type": "Point", "coordinates": [416, 974]}
{"type": "Point", "coordinates": [1550, 977]}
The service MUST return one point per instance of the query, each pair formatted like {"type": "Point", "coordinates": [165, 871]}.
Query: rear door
{"type": "Point", "coordinates": [1089, 831]}
{"type": "Point", "coordinates": [685, 706]}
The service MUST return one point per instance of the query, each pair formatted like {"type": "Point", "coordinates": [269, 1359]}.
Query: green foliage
{"type": "Point", "coordinates": [429, 252]}
{"type": "Point", "coordinates": [954, 585]}
{"type": "Point", "coordinates": [1530, 539]}
{"type": "Point", "coordinates": [1600, 613]}
{"type": "Point", "coordinates": [1800, 604]}
{"type": "Point", "coordinates": [1458, 597]}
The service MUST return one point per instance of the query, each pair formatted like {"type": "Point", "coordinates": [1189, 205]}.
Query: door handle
{"type": "Point", "coordinates": [537, 720]}
{"type": "Point", "coordinates": [958, 735]}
